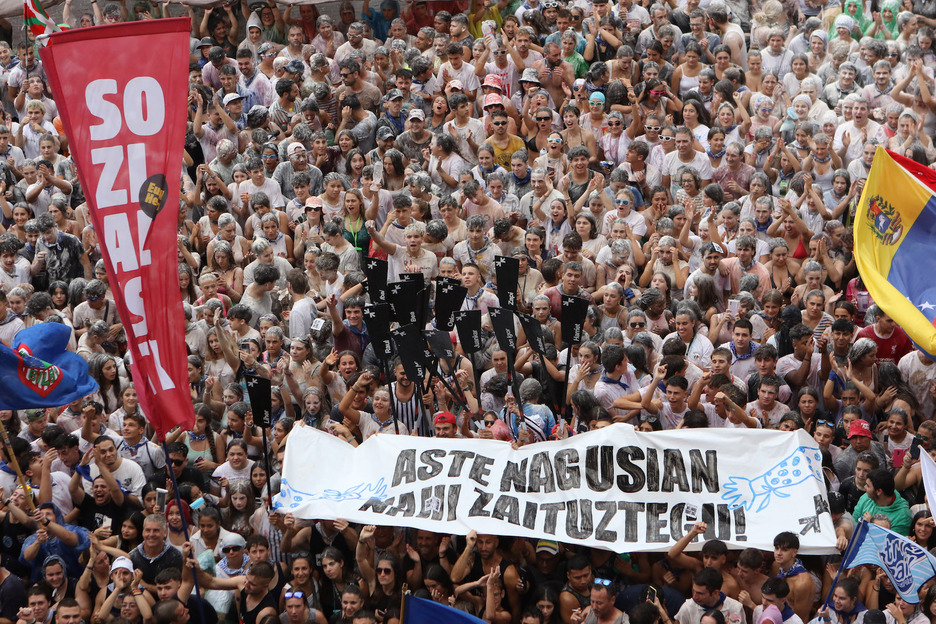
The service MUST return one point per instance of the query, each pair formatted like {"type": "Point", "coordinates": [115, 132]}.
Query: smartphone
{"type": "Point", "coordinates": [897, 456]}
{"type": "Point", "coordinates": [915, 448]}
{"type": "Point", "coordinates": [733, 305]}
{"type": "Point", "coordinates": [106, 522]}
{"type": "Point", "coordinates": [161, 499]}
{"type": "Point", "coordinates": [651, 593]}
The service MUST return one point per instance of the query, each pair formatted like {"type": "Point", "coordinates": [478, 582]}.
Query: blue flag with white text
{"type": "Point", "coordinates": [420, 611]}
{"type": "Point", "coordinates": [39, 371]}
{"type": "Point", "coordinates": [907, 565]}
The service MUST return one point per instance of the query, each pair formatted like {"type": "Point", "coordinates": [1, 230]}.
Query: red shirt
{"type": "Point", "coordinates": [889, 349]}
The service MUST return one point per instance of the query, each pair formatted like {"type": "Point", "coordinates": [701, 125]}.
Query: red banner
{"type": "Point", "coordinates": [122, 95]}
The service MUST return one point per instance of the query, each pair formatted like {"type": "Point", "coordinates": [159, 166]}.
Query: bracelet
{"type": "Point", "coordinates": [877, 589]}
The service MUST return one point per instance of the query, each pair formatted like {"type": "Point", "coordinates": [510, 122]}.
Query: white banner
{"type": "Point", "coordinates": [615, 488]}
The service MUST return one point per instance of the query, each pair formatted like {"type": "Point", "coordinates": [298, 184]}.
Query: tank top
{"type": "Point", "coordinates": [584, 600]}
{"type": "Point", "coordinates": [193, 454]}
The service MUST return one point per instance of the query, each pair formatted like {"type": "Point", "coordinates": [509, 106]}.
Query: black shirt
{"type": "Point", "coordinates": [169, 558]}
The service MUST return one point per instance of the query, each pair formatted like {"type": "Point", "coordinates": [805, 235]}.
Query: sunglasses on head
{"type": "Point", "coordinates": [603, 582]}
{"type": "Point", "coordinates": [295, 594]}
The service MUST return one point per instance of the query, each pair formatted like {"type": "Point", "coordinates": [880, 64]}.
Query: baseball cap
{"type": "Point", "coordinates": [444, 418]}
{"type": "Point", "coordinates": [859, 428]}
{"type": "Point", "coordinates": [547, 546]}
{"type": "Point", "coordinates": [265, 47]}
{"type": "Point", "coordinates": [294, 67]}
{"type": "Point", "coordinates": [384, 133]}
{"type": "Point", "coordinates": [34, 414]}
{"type": "Point", "coordinates": [457, 84]}
{"type": "Point", "coordinates": [417, 113]}
{"type": "Point", "coordinates": [492, 99]}
{"type": "Point", "coordinates": [394, 94]}
{"type": "Point", "coordinates": [494, 82]}
{"type": "Point", "coordinates": [205, 42]}
{"type": "Point", "coordinates": [122, 563]}
{"type": "Point", "coordinates": [295, 147]}
{"type": "Point", "coordinates": [232, 97]}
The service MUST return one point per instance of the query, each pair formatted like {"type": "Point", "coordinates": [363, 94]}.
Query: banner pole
{"type": "Point", "coordinates": [185, 525]}
{"type": "Point", "coordinates": [567, 404]}
{"type": "Point", "coordinates": [396, 423]}
{"type": "Point", "coordinates": [266, 459]}
{"type": "Point", "coordinates": [16, 466]}
{"type": "Point", "coordinates": [845, 556]}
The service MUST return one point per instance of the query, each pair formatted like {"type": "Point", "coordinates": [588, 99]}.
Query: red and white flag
{"type": "Point", "coordinates": [125, 120]}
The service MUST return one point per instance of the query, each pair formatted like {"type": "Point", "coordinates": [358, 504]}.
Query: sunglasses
{"type": "Point", "coordinates": [178, 462]}
{"type": "Point", "coordinates": [296, 594]}
{"type": "Point", "coordinates": [658, 93]}
{"type": "Point", "coordinates": [652, 128]}
{"type": "Point", "coordinates": [345, 74]}
{"type": "Point", "coordinates": [614, 123]}
{"type": "Point", "coordinates": [269, 156]}
{"type": "Point", "coordinates": [543, 118]}
{"type": "Point", "coordinates": [93, 298]}
{"type": "Point", "coordinates": [498, 123]}
{"type": "Point", "coordinates": [556, 141]}
{"type": "Point", "coordinates": [637, 325]}
{"type": "Point", "coordinates": [622, 202]}
{"type": "Point", "coordinates": [500, 52]}
{"type": "Point", "coordinates": [384, 570]}
{"type": "Point", "coordinates": [666, 139]}
{"type": "Point", "coordinates": [576, 17]}
{"type": "Point", "coordinates": [489, 423]}
{"type": "Point", "coordinates": [228, 549]}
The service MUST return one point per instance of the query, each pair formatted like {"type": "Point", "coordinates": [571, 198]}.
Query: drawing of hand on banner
{"type": "Point", "coordinates": [617, 489]}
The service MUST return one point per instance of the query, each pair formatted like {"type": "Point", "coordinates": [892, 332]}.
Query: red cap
{"type": "Point", "coordinates": [445, 418]}
{"type": "Point", "coordinates": [492, 99]}
{"type": "Point", "coordinates": [859, 428]}
{"type": "Point", "coordinates": [494, 81]}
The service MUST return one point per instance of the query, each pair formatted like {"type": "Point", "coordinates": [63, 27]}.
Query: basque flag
{"type": "Point", "coordinates": [895, 227]}
{"type": "Point", "coordinates": [907, 565]}
{"type": "Point", "coordinates": [39, 371]}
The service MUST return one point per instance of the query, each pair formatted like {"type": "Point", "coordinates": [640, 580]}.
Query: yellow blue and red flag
{"type": "Point", "coordinates": [895, 244]}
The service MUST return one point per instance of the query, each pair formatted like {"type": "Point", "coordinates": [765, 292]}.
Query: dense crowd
{"type": "Point", "coordinates": [690, 168]}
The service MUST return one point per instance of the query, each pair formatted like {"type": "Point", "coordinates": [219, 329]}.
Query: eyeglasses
{"type": "Point", "coordinates": [666, 139]}
{"type": "Point", "coordinates": [622, 202]}
{"type": "Point", "coordinates": [498, 123]}
{"type": "Point", "coordinates": [543, 118]}
{"type": "Point", "coordinates": [228, 549]}
{"type": "Point", "coordinates": [637, 325]}
{"type": "Point", "coordinates": [652, 128]}
{"type": "Point", "coordinates": [178, 462]}
{"type": "Point", "coordinates": [384, 570]}
{"type": "Point", "coordinates": [296, 594]}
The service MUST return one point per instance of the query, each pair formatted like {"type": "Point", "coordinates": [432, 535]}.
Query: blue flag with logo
{"type": "Point", "coordinates": [420, 611]}
{"type": "Point", "coordinates": [39, 371]}
{"type": "Point", "coordinates": [907, 565]}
